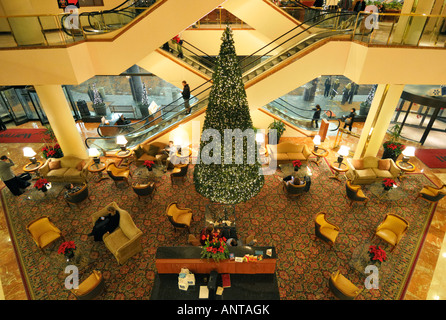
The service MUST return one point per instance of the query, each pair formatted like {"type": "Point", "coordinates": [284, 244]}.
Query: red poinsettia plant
{"type": "Point", "coordinates": [40, 183]}
{"type": "Point", "coordinates": [388, 183]}
{"type": "Point", "coordinates": [215, 248]}
{"type": "Point", "coordinates": [67, 248]}
{"type": "Point", "coordinates": [377, 254]}
{"type": "Point", "coordinates": [297, 164]}
{"type": "Point", "coordinates": [52, 151]}
{"type": "Point", "coordinates": [148, 163]}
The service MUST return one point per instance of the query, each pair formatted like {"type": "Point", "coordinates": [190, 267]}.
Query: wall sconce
{"type": "Point", "coordinates": [343, 152]}
{"type": "Point", "coordinates": [317, 142]}
{"type": "Point", "coordinates": [94, 153]}
{"type": "Point", "coordinates": [29, 153]}
{"type": "Point", "coordinates": [407, 153]}
{"type": "Point", "coordinates": [122, 141]}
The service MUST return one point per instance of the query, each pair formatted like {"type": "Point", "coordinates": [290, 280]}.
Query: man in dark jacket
{"type": "Point", "coordinates": [359, 6]}
{"type": "Point", "coordinates": [186, 96]}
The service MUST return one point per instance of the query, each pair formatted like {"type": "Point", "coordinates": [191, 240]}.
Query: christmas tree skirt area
{"type": "Point", "coordinates": [304, 262]}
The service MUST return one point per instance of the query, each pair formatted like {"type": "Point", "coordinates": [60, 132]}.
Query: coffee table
{"type": "Point", "coordinates": [378, 191]}
{"type": "Point", "coordinates": [287, 169]}
{"type": "Point", "coordinates": [360, 261]}
{"type": "Point", "coordinates": [221, 215]}
{"type": "Point", "coordinates": [143, 175]}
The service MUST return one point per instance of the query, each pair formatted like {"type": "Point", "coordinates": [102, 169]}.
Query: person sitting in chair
{"type": "Point", "coordinates": [291, 180]}
{"type": "Point", "coordinates": [71, 189]}
{"type": "Point", "coordinates": [105, 224]}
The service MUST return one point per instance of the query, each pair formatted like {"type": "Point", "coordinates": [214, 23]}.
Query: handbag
{"type": "Point", "coordinates": [348, 120]}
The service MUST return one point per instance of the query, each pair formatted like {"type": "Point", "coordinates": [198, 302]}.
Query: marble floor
{"type": "Point", "coordinates": [426, 283]}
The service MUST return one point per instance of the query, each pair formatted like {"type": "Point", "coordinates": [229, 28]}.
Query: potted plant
{"type": "Point", "coordinates": [52, 148]}
{"type": "Point", "coordinates": [41, 184]}
{"type": "Point", "coordinates": [148, 164]}
{"type": "Point", "coordinates": [388, 184]}
{"type": "Point", "coordinates": [393, 148]}
{"type": "Point", "coordinates": [377, 254]}
{"type": "Point", "coordinates": [297, 164]}
{"type": "Point", "coordinates": [67, 248]}
{"type": "Point", "coordinates": [216, 249]}
{"type": "Point", "coordinates": [279, 128]}
{"type": "Point", "coordinates": [98, 104]}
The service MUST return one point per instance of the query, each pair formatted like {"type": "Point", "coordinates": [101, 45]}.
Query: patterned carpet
{"type": "Point", "coordinates": [304, 263]}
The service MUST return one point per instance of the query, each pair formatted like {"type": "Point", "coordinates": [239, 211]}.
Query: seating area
{"type": "Point", "coordinates": [159, 209]}
{"type": "Point", "coordinates": [371, 169]}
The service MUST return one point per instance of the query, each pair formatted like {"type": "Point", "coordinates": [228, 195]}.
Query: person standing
{"type": "Point", "coordinates": [353, 91]}
{"type": "Point", "coordinates": [359, 6]}
{"type": "Point", "coordinates": [327, 87]}
{"type": "Point", "coordinates": [186, 96]}
{"type": "Point", "coordinates": [2, 125]}
{"type": "Point", "coordinates": [349, 119]}
{"type": "Point", "coordinates": [334, 89]}
{"type": "Point", "coordinates": [13, 183]}
{"type": "Point", "coordinates": [179, 43]}
{"type": "Point", "coordinates": [316, 116]}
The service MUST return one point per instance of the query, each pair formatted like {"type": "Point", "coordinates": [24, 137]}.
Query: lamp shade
{"type": "Point", "coordinates": [28, 152]}
{"type": "Point", "coordinates": [260, 138]}
{"type": "Point", "coordinates": [93, 152]}
{"type": "Point", "coordinates": [121, 140]}
{"type": "Point", "coordinates": [317, 140]}
{"type": "Point", "coordinates": [344, 151]}
{"type": "Point", "coordinates": [409, 152]}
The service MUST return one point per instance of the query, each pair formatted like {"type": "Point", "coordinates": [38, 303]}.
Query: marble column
{"type": "Point", "coordinates": [378, 120]}
{"type": "Point", "coordinates": [58, 112]}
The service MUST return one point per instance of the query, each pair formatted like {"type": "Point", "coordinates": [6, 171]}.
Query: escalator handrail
{"type": "Point", "coordinates": [305, 30]}
{"type": "Point", "coordinates": [330, 116]}
{"type": "Point", "coordinates": [147, 125]}
{"type": "Point", "coordinates": [123, 126]}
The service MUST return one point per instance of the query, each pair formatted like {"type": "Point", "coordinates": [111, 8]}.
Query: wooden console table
{"type": "Point", "coordinates": [172, 259]}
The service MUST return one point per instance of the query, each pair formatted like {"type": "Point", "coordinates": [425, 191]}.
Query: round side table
{"type": "Point", "coordinates": [338, 169]}
{"type": "Point", "coordinates": [319, 153]}
{"type": "Point", "coordinates": [33, 168]}
{"type": "Point", "coordinates": [97, 170]}
{"type": "Point", "coordinates": [124, 155]}
{"type": "Point", "coordinates": [405, 166]}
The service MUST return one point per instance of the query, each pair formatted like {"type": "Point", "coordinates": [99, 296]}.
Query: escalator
{"type": "Point", "coordinates": [99, 22]}
{"type": "Point", "coordinates": [300, 117]}
{"type": "Point", "coordinates": [173, 113]}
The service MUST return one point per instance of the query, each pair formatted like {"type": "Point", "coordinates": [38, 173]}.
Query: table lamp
{"type": "Point", "coordinates": [407, 153]}
{"type": "Point", "coordinates": [317, 142]}
{"type": "Point", "coordinates": [94, 153]}
{"type": "Point", "coordinates": [29, 153]}
{"type": "Point", "coordinates": [343, 152]}
{"type": "Point", "coordinates": [122, 141]}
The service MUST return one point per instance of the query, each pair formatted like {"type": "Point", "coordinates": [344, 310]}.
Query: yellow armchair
{"type": "Point", "coordinates": [343, 288]}
{"type": "Point", "coordinates": [355, 193]}
{"type": "Point", "coordinates": [432, 194]}
{"type": "Point", "coordinates": [179, 217]}
{"type": "Point", "coordinates": [392, 229]}
{"type": "Point", "coordinates": [43, 232]}
{"type": "Point", "coordinates": [91, 287]}
{"type": "Point", "coordinates": [118, 173]}
{"type": "Point", "coordinates": [125, 241]}
{"type": "Point", "coordinates": [324, 229]}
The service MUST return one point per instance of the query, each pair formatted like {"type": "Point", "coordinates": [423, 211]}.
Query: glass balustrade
{"type": "Point", "coordinates": [66, 28]}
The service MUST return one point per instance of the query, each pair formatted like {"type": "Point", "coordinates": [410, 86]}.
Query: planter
{"type": "Point", "coordinates": [390, 154]}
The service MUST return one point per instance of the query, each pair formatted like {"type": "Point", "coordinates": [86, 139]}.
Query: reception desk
{"type": "Point", "coordinates": [249, 280]}
{"type": "Point", "coordinates": [172, 259]}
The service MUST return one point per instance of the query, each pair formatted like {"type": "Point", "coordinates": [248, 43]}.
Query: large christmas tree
{"type": "Point", "coordinates": [228, 175]}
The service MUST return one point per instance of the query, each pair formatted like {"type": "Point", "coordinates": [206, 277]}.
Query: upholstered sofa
{"type": "Point", "coordinates": [65, 169]}
{"type": "Point", "coordinates": [149, 151]}
{"type": "Point", "coordinates": [371, 169]}
{"type": "Point", "coordinates": [286, 152]}
{"type": "Point", "coordinates": [125, 241]}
